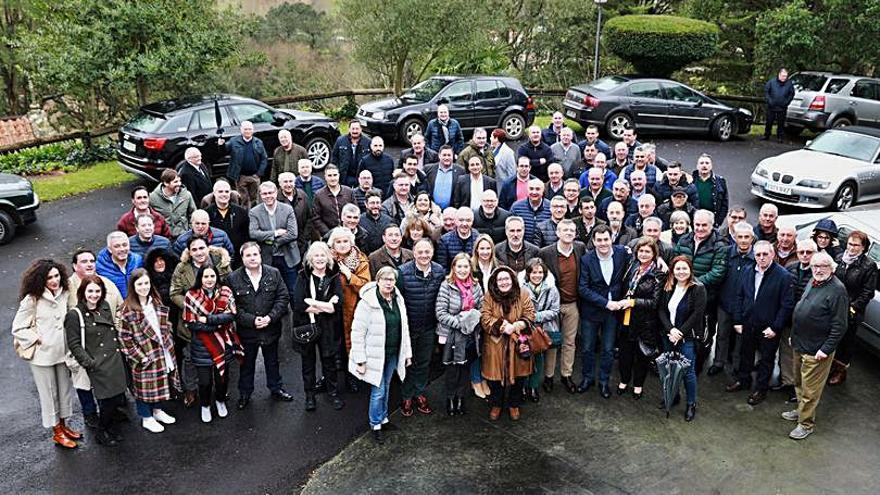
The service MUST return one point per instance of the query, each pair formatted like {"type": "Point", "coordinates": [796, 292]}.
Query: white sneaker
{"type": "Point", "coordinates": [206, 415]}
{"type": "Point", "coordinates": [221, 409]}
{"type": "Point", "coordinates": [163, 417]}
{"type": "Point", "coordinates": [791, 415]}
{"type": "Point", "coordinates": [151, 425]}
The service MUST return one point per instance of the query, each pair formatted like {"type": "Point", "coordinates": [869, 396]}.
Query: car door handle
{"type": "Point", "coordinates": [200, 139]}
{"type": "Point", "coordinates": [851, 102]}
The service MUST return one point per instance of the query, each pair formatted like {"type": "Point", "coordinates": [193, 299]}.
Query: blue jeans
{"type": "Point", "coordinates": [476, 370]}
{"type": "Point", "coordinates": [87, 402]}
{"type": "Point", "coordinates": [287, 273]}
{"type": "Point", "coordinates": [145, 409]}
{"type": "Point", "coordinates": [589, 333]}
{"type": "Point", "coordinates": [689, 350]}
{"type": "Point", "coordinates": [379, 395]}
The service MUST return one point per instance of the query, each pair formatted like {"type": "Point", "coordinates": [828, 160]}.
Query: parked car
{"type": "Point", "coordinates": [18, 205]}
{"type": "Point", "coordinates": [156, 137]}
{"type": "Point", "coordinates": [837, 169]}
{"type": "Point", "coordinates": [615, 103]}
{"type": "Point", "coordinates": [868, 222]}
{"type": "Point", "coordinates": [827, 100]}
{"type": "Point", "coordinates": [475, 101]}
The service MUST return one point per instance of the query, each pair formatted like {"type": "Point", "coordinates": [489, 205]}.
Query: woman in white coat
{"type": "Point", "coordinates": [380, 343]}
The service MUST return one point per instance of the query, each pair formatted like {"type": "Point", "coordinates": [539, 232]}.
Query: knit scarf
{"type": "Point", "coordinates": [444, 126]}
{"type": "Point", "coordinates": [352, 259]}
{"type": "Point", "coordinates": [199, 303]}
{"type": "Point", "coordinates": [848, 259]}
{"type": "Point", "coordinates": [466, 287]}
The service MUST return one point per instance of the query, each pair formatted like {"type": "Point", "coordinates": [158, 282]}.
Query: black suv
{"type": "Point", "coordinates": [18, 205]}
{"type": "Point", "coordinates": [157, 136]}
{"type": "Point", "coordinates": [475, 101]}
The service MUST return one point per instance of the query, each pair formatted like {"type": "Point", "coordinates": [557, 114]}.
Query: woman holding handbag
{"type": "Point", "coordinates": [209, 313]}
{"type": "Point", "coordinates": [92, 340]}
{"type": "Point", "coordinates": [38, 337]}
{"type": "Point", "coordinates": [506, 317]}
{"type": "Point", "coordinates": [639, 340]}
{"type": "Point", "coordinates": [145, 334]}
{"type": "Point", "coordinates": [682, 307]}
{"type": "Point", "coordinates": [317, 300]}
{"type": "Point", "coordinates": [458, 317]}
{"type": "Point", "coordinates": [539, 283]}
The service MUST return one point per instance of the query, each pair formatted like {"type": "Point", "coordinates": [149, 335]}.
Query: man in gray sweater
{"type": "Point", "coordinates": [819, 322]}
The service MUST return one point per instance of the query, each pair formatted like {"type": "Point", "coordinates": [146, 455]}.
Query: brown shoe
{"type": "Point", "coordinates": [189, 398]}
{"type": "Point", "coordinates": [494, 413]}
{"type": "Point", "coordinates": [61, 439]}
{"type": "Point", "coordinates": [407, 408]}
{"type": "Point", "coordinates": [422, 405]}
{"type": "Point", "coordinates": [838, 376]}
{"type": "Point", "coordinates": [69, 432]}
{"type": "Point", "coordinates": [514, 414]}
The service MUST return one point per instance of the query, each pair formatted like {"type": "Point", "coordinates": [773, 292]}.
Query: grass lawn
{"type": "Point", "coordinates": [98, 176]}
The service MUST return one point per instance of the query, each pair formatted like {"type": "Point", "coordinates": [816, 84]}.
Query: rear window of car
{"type": "Point", "coordinates": [607, 83]}
{"type": "Point", "coordinates": [808, 82]}
{"type": "Point", "coordinates": [487, 90]}
{"type": "Point", "coordinates": [148, 123]}
{"type": "Point", "coordinates": [835, 85]}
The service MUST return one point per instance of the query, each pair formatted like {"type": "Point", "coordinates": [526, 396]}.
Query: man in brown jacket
{"type": "Point", "coordinates": [329, 200]}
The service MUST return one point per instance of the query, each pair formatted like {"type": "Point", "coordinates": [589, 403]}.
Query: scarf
{"type": "Point", "coordinates": [444, 126]}
{"type": "Point", "coordinates": [847, 258]}
{"type": "Point", "coordinates": [224, 338]}
{"type": "Point", "coordinates": [466, 287]}
{"type": "Point", "coordinates": [637, 274]}
{"type": "Point", "coordinates": [351, 260]}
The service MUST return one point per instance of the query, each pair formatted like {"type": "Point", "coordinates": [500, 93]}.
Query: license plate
{"type": "Point", "coordinates": [129, 146]}
{"type": "Point", "coordinates": [777, 189]}
{"type": "Point", "coordinates": [571, 113]}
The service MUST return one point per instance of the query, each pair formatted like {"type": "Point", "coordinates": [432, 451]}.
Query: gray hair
{"type": "Point", "coordinates": [191, 152]}
{"type": "Point", "coordinates": [386, 271]}
{"type": "Point", "coordinates": [511, 219]}
{"type": "Point", "coordinates": [765, 244]}
{"type": "Point", "coordinates": [647, 198]}
{"type": "Point", "coordinates": [807, 244]}
{"type": "Point", "coordinates": [679, 215]}
{"type": "Point", "coordinates": [351, 209]}
{"type": "Point", "coordinates": [745, 228]}
{"type": "Point", "coordinates": [823, 258]}
{"type": "Point", "coordinates": [315, 248]}
{"type": "Point", "coordinates": [708, 215]}
{"type": "Point", "coordinates": [339, 232]}
{"type": "Point", "coordinates": [116, 234]}
{"type": "Point", "coordinates": [653, 220]}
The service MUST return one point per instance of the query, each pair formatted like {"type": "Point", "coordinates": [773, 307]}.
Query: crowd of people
{"type": "Point", "coordinates": [495, 265]}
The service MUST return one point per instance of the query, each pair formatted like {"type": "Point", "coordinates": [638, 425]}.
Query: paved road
{"type": "Point", "coordinates": [269, 448]}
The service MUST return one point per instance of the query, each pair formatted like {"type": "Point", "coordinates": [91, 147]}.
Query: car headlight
{"type": "Point", "coordinates": [814, 184]}
{"type": "Point", "coordinates": [378, 115]}
{"type": "Point", "coordinates": [762, 172]}
{"type": "Point", "coordinates": [743, 111]}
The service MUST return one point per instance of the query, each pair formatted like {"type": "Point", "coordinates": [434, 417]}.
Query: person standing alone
{"type": "Point", "coordinates": [778, 93]}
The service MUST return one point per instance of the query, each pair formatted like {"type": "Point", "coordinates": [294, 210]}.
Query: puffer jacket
{"type": "Point", "coordinates": [198, 352]}
{"type": "Point", "coordinates": [710, 260]}
{"type": "Point", "coordinates": [451, 244]}
{"type": "Point", "coordinates": [105, 267]}
{"type": "Point", "coordinates": [860, 280]}
{"type": "Point", "coordinates": [373, 228]}
{"type": "Point", "coordinates": [185, 276]}
{"type": "Point", "coordinates": [546, 303]}
{"type": "Point", "coordinates": [644, 321]}
{"type": "Point", "coordinates": [450, 325]}
{"type": "Point", "coordinates": [368, 336]}
{"type": "Point", "coordinates": [420, 292]}
{"type": "Point", "coordinates": [216, 237]}
{"type": "Point", "coordinates": [494, 226]}
{"type": "Point", "coordinates": [531, 217]}
{"type": "Point", "coordinates": [434, 137]}
{"type": "Point", "coordinates": [176, 212]}
{"type": "Point", "coordinates": [545, 233]}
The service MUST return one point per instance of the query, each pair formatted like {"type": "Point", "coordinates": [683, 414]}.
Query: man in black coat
{"type": "Point", "coordinates": [489, 218]}
{"type": "Point", "coordinates": [229, 217]}
{"type": "Point", "coordinates": [474, 182]}
{"type": "Point", "coordinates": [194, 175]}
{"type": "Point", "coordinates": [424, 156]}
{"type": "Point", "coordinates": [778, 93]}
{"type": "Point", "coordinates": [261, 300]}
{"type": "Point", "coordinates": [762, 310]}
{"type": "Point", "coordinates": [379, 164]}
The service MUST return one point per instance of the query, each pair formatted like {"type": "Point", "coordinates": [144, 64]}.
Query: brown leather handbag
{"type": "Point", "coordinates": [538, 339]}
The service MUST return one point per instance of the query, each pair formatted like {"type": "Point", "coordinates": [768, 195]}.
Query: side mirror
{"type": "Point", "coordinates": [280, 117]}
{"type": "Point", "coordinates": [443, 101]}
{"type": "Point", "coordinates": [809, 143]}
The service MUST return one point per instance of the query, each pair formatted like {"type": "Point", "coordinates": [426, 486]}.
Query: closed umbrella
{"type": "Point", "coordinates": [671, 366]}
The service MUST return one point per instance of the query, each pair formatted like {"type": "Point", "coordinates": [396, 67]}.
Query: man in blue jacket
{"type": "Point", "coordinates": [778, 93]}
{"type": "Point", "coordinates": [600, 287]}
{"type": "Point", "coordinates": [116, 261]}
{"type": "Point", "coordinates": [444, 130]}
{"type": "Point", "coordinates": [248, 162]}
{"type": "Point", "coordinates": [347, 153]}
{"type": "Point", "coordinates": [763, 308]}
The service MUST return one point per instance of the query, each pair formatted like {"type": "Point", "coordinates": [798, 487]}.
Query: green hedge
{"type": "Point", "coordinates": [66, 157]}
{"type": "Point", "coordinates": [658, 45]}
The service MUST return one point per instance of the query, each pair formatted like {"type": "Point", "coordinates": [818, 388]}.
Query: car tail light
{"type": "Point", "coordinates": [530, 103]}
{"type": "Point", "coordinates": [818, 103]}
{"type": "Point", "coordinates": [154, 144]}
{"type": "Point", "coordinates": [591, 101]}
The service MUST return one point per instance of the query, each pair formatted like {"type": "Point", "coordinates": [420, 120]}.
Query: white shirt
{"type": "Point", "coordinates": [255, 280]}
{"type": "Point", "coordinates": [607, 266]}
{"type": "Point", "coordinates": [153, 319]}
{"type": "Point", "coordinates": [674, 301]}
{"type": "Point", "coordinates": [759, 277]}
{"type": "Point", "coordinates": [476, 192]}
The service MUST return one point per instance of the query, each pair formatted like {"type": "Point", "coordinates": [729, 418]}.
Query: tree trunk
{"type": "Point", "coordinates": [143, 90]}
{"type": "Point", "coordinates": [398, 75]}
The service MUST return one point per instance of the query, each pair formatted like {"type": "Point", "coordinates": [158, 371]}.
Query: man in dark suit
{"type": "Point", "coordinates": [273, 225]}
{"type": "Point", "coordinates": [764, 303]}
{"type": "Point", "coordinates": [516, 188]}
{"type": "Point", "coordinates": [468, 190]}
{"type": "Point", "coordinates": [442, 176]}
{"type": "Point", "coordinates": [424, 155]}
{"type": "Point", "coordinates": [195, 176]}
{"type": "Point", "coordinates": [600, 288]}
{"type": "Point", "coordinates": [261, 300]}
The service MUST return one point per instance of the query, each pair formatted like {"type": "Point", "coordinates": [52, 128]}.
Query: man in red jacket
{"type": "Point", "coordinates": [140, 201]}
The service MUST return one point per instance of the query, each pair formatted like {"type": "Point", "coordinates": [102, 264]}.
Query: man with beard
{"type": "Point", "coordinates": [173, 202]}
{"type": "Point", "coordinates": [587, 220]}
{"type": "Point", "coordinates": [347, 153]}
{"type": "Point", "coordinates": [538, 153]}
{"type": "Point", "coordinates": [379, 164]}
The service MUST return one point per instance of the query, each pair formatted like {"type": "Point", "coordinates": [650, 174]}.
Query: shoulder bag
{"type": "Point", "coordinates": [308, 333]}
{"type": "Point", "coordinates": [27, 353]}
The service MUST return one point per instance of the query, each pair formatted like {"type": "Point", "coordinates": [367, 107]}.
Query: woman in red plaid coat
{"type": "Point", "coordinates": [147, 342]}
{"type": "Point", "coordinates": [209, 313]}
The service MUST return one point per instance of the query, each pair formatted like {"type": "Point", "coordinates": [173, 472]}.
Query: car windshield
{"type": "Point", "coordinates": [607, 83]}
{"type": "Point", "coordinates": [425, 90]}
{"type": "Point", "coordinates": [808, 82]}
{"type": "Point", "coordinates": [848, 144]}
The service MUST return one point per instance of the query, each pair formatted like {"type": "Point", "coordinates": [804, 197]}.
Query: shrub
{"type": "Point", "coordinates": [64, 157]}
{"type": "Point", "coordinates": [658, 45]}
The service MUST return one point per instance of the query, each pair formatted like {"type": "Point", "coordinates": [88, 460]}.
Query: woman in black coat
{"type": "Point", "coordinates": [639, 336]}
{"type": "Point", "coordinates": [681, 310]}
{"type": "Point", "coordinates": [317, 297]}
{"type": "Point", "coordinates": [859, 275]}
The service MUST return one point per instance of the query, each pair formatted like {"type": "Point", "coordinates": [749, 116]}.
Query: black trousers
{"type": "Point", "coordinates": [704, 349]}
{"type": "Point", "coordinates": [633, 364]}
{"type": "Point", "coordinates": [249, 366]}
{"type": "Point", "coordinates": [514, 393]}
{"type": "Point", "coordinates": [753, 341]}
{"type": "Point", "coordinates": [107, 411]}
{"type": "Point", "coordinates": [846, 348]}
{"type": "Point", "coordinates": [209, 378]}
{"type": "Point", "coordinates": [458, 376]}
{"type": "Point", "coordinates": [329, 368]}
{"type": "Point", "coordinates": [777, 116]}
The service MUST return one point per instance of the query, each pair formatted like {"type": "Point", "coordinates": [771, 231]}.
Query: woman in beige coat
{"type": "Point", "coordinates": [508, 313]}
{"type": "Point", "coordinates": [380, 343]}
{"type": "Point", "coordinates": [38, 329]}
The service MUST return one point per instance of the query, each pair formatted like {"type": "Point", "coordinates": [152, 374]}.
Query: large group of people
{"type": "Point", "coordinates": [493, 264]}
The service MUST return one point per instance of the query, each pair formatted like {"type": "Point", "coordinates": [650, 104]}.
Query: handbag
{"type": "Point", "coordinates": [78, 373]}
{"type": "Point", "coordinates": [308, 333]}
{"type": "Point", "coordinates": [27, 353]}
{"type": "Point", "coordinates": [539, 340]}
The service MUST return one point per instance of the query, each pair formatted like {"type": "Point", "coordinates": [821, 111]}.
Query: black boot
{"type": "Point", "coordinates": [104, 438]}
{"type": "Point", "coordinates": [311, 404]}
{"type": "Point", "coordinates": [352, 383]}
{"type": "Point", "coordinates": [459, 406]}
{"type": "Point", "coordinates": [548, 384]}
{"type": "Point", "coordinates": [321, 385]}
{"type": "Point", "coordinates": [450, 407]}
{"type": "Point", "coordinates": [690, 412]}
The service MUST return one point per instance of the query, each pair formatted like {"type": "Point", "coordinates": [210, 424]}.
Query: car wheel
{"type": "Point", "coordinates": [410, 128]}
{"type": "Point", "coordinates": [7, 227]}
{"type": "Point", "coordinates": [617, 123]}
{"type": "Point", "coordinates": [845, 197]}
{"type": "Point", "coordinates": [514, 125]}
{"type": "Point", "coordinates": [318, 151]}
{"type": "Point", "coordinates": [723, 128]}
{"type": "Point", "coordinates": [841, 122]}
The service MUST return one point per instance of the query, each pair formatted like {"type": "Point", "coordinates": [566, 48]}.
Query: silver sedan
{"type": "Point", "coordinates": [837, 169]}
